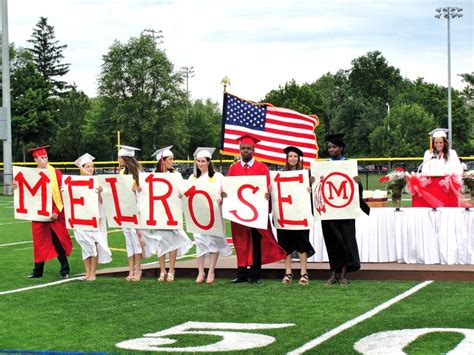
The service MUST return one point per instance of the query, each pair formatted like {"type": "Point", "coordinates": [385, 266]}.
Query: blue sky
{"type": "Point", "coordinates": [259, 45]}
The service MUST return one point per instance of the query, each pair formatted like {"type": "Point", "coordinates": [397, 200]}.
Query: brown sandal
{"type": "Point", "coordinates": [287, 279]}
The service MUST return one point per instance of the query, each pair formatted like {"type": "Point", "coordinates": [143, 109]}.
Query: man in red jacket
{"type": "Point", "coordinates": [253, 246]}
{"type": "Point", "coordinates": [50, 239]}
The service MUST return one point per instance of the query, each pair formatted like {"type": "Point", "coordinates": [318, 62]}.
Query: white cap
{"type": "Point", "coordinates": [204, 152]}
{"type": "Point", "coordinates": [84, 159]}
{"type": "Point", "coordinates": [439, 132]}
{"type": "Point", "coordinates": [163, 153]}
{"type": "Point", "coordinates": [126, 151]}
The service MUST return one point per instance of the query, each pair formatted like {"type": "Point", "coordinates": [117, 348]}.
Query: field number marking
{"type": "Point", "coordinates": [394, 341]}
{"type": "Point", "coordinates": [231, 340]}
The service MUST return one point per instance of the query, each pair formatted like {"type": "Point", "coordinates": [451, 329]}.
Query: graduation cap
{"type": "Point", "coordinates": [163, 153]}
{"type": "Point", "coordinates": [84, 159]}
{"type": "Point", "coordinates": [336, 139]}
{"type": "Point", "coordinates": [126, 151]}
{"type": "Point", "coordinates": [439, 132]}
{"type": "Point", "coordinates": [39, 151]}
{"type": "Point", "coordinates": [203, 152]}
{"type": "Point", "coordinates": [291, 148]}
{"type": "Point", "coordinates": [248, 139]}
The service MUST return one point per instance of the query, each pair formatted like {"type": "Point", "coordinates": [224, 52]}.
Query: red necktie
{"type": "Point", "coordinates": [246, 166]}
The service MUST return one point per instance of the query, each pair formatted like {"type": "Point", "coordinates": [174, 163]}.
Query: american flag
{"type": "Point", "coordinates": [276, 127]}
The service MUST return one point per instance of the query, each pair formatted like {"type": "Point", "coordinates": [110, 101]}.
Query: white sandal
{"type": "Point", "coordinates": [162, 277]}
{"type": "Point", "coordinates": [170, 277]}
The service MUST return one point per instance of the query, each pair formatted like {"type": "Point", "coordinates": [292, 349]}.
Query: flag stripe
{"type": "Point", "coordinates": [287, 123]}
{"type": "Point", "coordinates": [283, 139]}
{"type": "Point", "coordinates": [276, 128]}
{"type": "Point", "coordinates": [292, 114]}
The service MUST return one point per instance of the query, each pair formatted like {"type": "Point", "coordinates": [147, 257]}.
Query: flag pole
{"type": "Point", "coordinates": [225, 82]}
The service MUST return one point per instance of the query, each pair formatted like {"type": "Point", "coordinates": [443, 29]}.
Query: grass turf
{"type": "Point", "coordinates": [94, 316]}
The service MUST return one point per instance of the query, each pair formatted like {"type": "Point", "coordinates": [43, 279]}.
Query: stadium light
{"type": "Point", "coordinates": [448, 13]}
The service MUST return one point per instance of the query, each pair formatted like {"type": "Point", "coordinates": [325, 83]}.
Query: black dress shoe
{"type": "Point", "coordinates": [258, 282]}
{"type": "Point", "coordinates": [34, 276]}
{"type": "Point", "coordinates": [65, 276]}
{"type": "Point", "coordinates": [238, 280]}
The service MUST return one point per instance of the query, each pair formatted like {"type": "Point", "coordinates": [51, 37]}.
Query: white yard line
{"type": "Point", "coordinates": [328, 335]}
{"type": "Point", "coordinates": [39, 286]}
{"type": "Point", "coordinates": [4, 224]}
{"type": "Point", "coordinates": [17, 243]}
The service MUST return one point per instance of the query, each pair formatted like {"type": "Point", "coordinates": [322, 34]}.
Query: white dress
{"type": "Point", "coordinates": [208, 243]}
{"type": "Point", "coordinates": [94, 243]}
{"type": "Point", "coordinates": [439, 166]}
{"type": "Point", "coordinates": [162, 241]}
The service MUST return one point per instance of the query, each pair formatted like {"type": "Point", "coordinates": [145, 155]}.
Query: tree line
{"type": "Point", "coordinates": [141, 94]}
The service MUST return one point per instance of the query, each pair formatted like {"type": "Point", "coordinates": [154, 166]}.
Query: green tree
{"type": "Point", "coordinates": [99, 133]}
{"type": "Point", "coordinates": [32, 109]}
{"type": "Point", "coordinates": [73, 107]}
{"type": "Point", "coordinates": [371, 76]}
{"type": "Point", "coordinates": [468, 92]}
{"type": "Point", "coordinates": [142, 96]}
{"type": "Point", "coordinates": [204, 123]}
{"type": "Point", "coordinates": [48, 55]}
{"type": "Point", "coordinates": [403, 132]}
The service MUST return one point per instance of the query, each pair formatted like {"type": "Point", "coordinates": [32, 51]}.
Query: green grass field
{"type": "Point", "coordinates": [79, 316]}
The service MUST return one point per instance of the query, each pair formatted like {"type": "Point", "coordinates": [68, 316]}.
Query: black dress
{"type": "Point", "coordinates": [295, 240]}
{"type": "Point", "coordinates": [340, 239]}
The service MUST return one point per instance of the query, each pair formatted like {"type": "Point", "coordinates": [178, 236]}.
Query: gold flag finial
{"type": "Point", "coordinates": [225, 82]}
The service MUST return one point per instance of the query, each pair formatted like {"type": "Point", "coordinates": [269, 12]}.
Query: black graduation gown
{"type": "Point", "coordinates": [340, 238]}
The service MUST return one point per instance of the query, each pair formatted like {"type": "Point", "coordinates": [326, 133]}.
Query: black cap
{"type": "Point", "coordinates": [336, 139]}
{"type": "Point", "coordinates": [290, 148]}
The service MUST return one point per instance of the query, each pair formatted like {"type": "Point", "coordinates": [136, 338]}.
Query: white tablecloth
{"type": "Point", "coordinates": [411, 235]}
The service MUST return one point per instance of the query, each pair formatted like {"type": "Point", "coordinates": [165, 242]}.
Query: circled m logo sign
{"type": "Point", "coordinates": [338, 190]}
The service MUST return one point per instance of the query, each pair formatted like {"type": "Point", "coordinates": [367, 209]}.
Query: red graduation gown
{"type": "Point", "coordinates": [242, 235]}
{"type": "Point", "coordinates": [43, 247]}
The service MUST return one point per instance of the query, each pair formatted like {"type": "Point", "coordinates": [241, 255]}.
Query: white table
{"type": "Point", "coordinates": [411, 235]}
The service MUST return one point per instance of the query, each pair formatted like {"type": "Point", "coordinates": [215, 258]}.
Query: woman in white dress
{"type": "Point", "coordinates": [174, 242]}
{"type": "Point", "coordinates": [208, 244]}
{"type": "Point", "coordinates": [440, 160]}
{"type": "Point", "coordinates": [94, 245]}
{"type": "Point", "coordinates": [133, 241]}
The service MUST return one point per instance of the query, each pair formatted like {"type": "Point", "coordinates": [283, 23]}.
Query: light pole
{"type": "Point", "coordinates": [5, 112]}
{"type": "Point", "coordinates": [448, 13]}
{"type": "Point", "coordinates": [188, 72]}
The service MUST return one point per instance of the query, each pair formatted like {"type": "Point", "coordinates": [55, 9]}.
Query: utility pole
{"type": "Point", "coordinates": [157, 36]}
{"type": "Point", "coordinates": [188, 72]}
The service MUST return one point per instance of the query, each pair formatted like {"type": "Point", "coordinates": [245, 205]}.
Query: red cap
{"type": "Point", "coordinates": [248, 139]}
{"type": "Point", "coordinates": [39, 151]}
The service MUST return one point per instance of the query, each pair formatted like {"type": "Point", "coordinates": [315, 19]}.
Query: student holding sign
{"type": "Point", "coordinates": [295, 240]}
{"type": "Point", "coordinates": [253, 246]}
{"type": "Point", "coordinates": [208, 244]}
{"type": "Point", "coordinates": [126, 156]}
{"type": "Point", "coordinates": [50, 239]}
{"type": "Point", "coordinates": [163, 241]}
{"type": "Point", "coordinates": [340, 234]}
{"type": "Point", "coordinates": [94, 245]}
